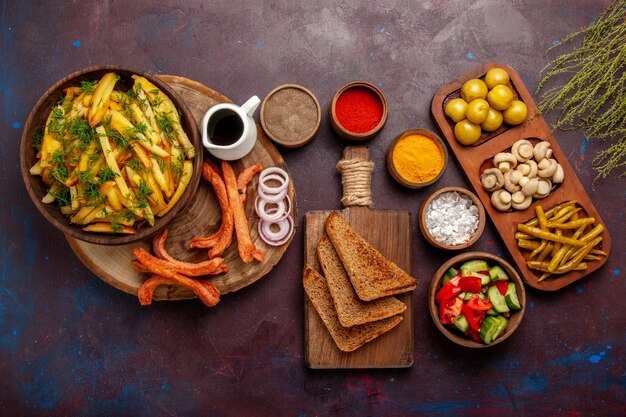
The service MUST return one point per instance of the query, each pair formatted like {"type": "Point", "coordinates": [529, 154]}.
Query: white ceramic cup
{"type": "Point", "coordinates": [242, 146]}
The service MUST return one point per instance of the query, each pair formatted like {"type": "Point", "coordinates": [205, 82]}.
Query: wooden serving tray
{"type": "Point", "coordinates": [200, 218]}
{"type": "Point", "coordinates": [473, 158]}
{"type": "Point", "coordinates": [389, 231]}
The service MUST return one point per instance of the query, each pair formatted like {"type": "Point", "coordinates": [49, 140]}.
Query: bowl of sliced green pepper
{"type": "Point", "coordinates": [477, 299]}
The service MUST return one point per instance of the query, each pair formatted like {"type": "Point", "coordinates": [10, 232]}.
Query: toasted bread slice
{"type": "Point", "coordinates": [372, 275]}
{"type": "Point", "coordinates": [347, 339]}
{"type": "Point", "coordinates": [350, 309]}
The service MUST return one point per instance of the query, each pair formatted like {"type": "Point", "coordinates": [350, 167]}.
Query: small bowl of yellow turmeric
{"type": "Point", "coordinates": [417, 158]}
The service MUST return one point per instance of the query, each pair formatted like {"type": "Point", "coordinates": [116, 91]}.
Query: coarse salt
{"type": "Point", "coordinates": [452, 218]}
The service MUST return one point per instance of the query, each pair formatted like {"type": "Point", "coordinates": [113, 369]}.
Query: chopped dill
{"type": "Point", "coordinates": [38, 138]}
{"type": "Point", "coordinates": [88, 87]}
{"type": "Point", "coordinates": [62, 197]}
{"type": "Point", "coordinates": [106, 174]}
{"type": "Point", "coordinates": [135, 165]}
{"type": "Point", "coordinates": [81, 131]}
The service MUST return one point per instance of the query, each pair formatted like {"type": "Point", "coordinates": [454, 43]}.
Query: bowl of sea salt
{"type": "Point", "coordinates": [452, 218]}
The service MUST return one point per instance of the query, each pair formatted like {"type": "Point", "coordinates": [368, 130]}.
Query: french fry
{"type": "Point", "coordinates": [165, 106]}
{"type": "Point", "coordinates": [109, 228]}
{"type": "Point", "coordinates": [113, 199]}
{"type": "Point", "coordinates": [36, 169]}
{"type": "Point", "coordinates": [99, 102]}
{"type": "Point", "coordinates": [142, 172]}
{"type": "Point", "coordinates": [182, 186]}
{"type": "Point", "coordinates": [125, 128]}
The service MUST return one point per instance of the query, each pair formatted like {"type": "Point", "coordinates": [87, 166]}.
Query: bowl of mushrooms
{"type": "Point", "coordinates": [525, 172]}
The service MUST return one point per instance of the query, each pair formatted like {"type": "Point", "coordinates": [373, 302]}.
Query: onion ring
{"type": "Point", "coordinates": [280, 242]}
{"type": "Point", "coordinates": [273, 170]}
{"type": "Point", "coordinates": [272, 198]}
{"type": "Point", "coordinates": [273, 190]}
{"type": "Point", "coordinates": [273, 214]}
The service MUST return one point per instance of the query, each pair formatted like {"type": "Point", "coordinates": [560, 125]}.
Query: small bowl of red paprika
{"type": "Point", "coordinates": [358, 111]}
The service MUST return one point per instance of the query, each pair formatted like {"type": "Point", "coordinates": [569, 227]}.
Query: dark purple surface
{"type": "Point", "coordinates": [72, 345]}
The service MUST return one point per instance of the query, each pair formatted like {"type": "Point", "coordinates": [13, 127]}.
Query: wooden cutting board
{"type": "Point", "coordinates": [389, 231]}
{"type": "Point", "coordinates": [200, 218]}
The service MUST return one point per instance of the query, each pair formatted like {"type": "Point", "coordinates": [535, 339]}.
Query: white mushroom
{"type": "Point", "coordinates": [508, 184]}
{"type": "Point", "coordinates": [543, 189]}
{"type": "Point", "coordinates": [524, 204]}
{"type": "Point", "coordinates": [532, 166]}
{"type": "Point", "coordinates": [542, 150]}
{"type": "Point", "coordinates": [515, 176]}
{"type": "Point", "coordinates": [505, 161]}
{"type": "Point", "coordinates": [522, 150]}
{"type": "Point", "coordinates": [501, 200]}
{"type": "Point", "coordinates": [524, 169]}
{"type": "Point", "coordinates": [547, 168]}
{"type": "Point", "coordinates": [559, 174]}
{"type": "Point", "coordinates": [492, 179]}
{"type": "Point", "coordinates": [518, 197]}
{"type": "Point", "coordinates": [530, 187]}
{"type": "Point", "coordinates": [522, 181]}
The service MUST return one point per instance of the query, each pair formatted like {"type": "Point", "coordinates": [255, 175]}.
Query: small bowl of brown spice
{"type": "Point", "coordinates": [290, 115]}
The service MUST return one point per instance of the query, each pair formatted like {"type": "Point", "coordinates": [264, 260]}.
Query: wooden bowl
{"type": "Point", "coordinates": [36, 188]}
{"type": "Point", "coordinates": [392, 168]}
{"type": "Point", "coordinates": [352, 136]}
{"type": "Point", "coordinates": [448, 331]}
{"type": "Point", "coordinates": [481, 218]}
{"type": "Point", "coordinates": [294, 100]}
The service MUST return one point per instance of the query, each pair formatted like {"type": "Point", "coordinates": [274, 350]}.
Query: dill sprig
{"type": "Point", "coordinates": [590, 90]}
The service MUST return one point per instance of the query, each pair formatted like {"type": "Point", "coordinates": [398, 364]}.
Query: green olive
{"type": "Point", "coordinates": [477, 111]}
{"type": "Point", "coordinates": [455, 109]}
{"type": "Point", "coordinates": [474, 89]}
{"type": "Point", "coordinates": [496, 76]}
{"type": "Point", "coordinates": [493, 120]}
{"type": "Point", "coordinates": [516, 114]}
{"type": "Point", "coordinates": [467, 132]}
{"type": "Point", "coordinates": [500, 97]}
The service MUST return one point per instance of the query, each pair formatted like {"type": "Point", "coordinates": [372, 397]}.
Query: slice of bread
{"type": "Point", "coordinates": [350, 309]}
{"type": "Point", "coordinates": [372, 275]}
{"type": "Point", "coordinates": [347, 339]}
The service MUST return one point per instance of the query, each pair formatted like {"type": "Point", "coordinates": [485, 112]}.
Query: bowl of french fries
{"type": "Point", "coordinates": [110, 155]}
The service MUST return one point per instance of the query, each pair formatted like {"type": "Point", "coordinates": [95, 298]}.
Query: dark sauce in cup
{"type": "Point", "coordinates": [225, 128]}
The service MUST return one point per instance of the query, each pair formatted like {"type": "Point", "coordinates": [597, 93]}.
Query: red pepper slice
{"type": "Point", "coordinates": [447, 292]}
{"type": "Point", "coordinates": [502, 286]}
{"type": "Point", "coordinates": [449, 311]}
{"type": "Point", "coordinates": [470, 284]}
{"type": "Point", "coordinates": [474, 317]}
{"type": "Point", "coordinates": [479, 304]}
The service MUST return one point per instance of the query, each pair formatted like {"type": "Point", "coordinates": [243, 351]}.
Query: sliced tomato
{"type": "Point", "coordinates": [474, 317]}
{"type": "Point", "coordinates": [447, 292]}
{"type": "Point", "coordinates": [502, 286]}
{"type": "Point", "coordinates": [474, 334]}
{"type": "Point", "coordinates": [449, 311]}
{"type": "Point", "coordinates": [470, 284]}
{"type": "Point", "coordinates": [479, 304]}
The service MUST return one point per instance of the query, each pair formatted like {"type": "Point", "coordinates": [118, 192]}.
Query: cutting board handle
{"type": "Point", "coordinates": [356, 176]}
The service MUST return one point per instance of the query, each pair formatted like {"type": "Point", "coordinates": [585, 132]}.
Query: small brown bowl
{"type": "Point", "coordinates": [481, 218]}
{"type": "Point", "coordinates": [352, 136]}
{"type": "Point", "coordinates": [392, 168]}
{"type": "Point", "coordinates": [289, 103]}
{"type": "Point", "coordinates": [449, 332]}
{"type": "Point", "coordinates": [28, 155]}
